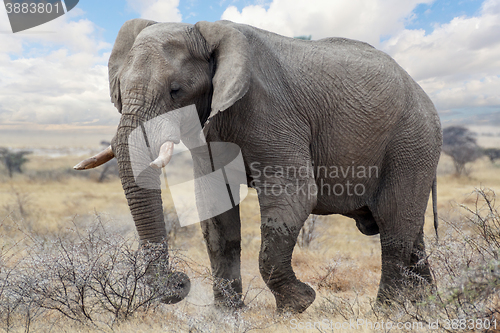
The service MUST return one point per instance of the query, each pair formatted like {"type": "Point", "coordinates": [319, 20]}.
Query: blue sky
{"type": "Point", "coordinates": [442, 11]}
{"type": "Point", "coordinates": [55, 75]}
{"type": "Point", "coordinates": [427, 15]}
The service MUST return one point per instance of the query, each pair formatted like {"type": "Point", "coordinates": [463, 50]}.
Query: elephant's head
{"type": "Point", "coordinates": [156, 68]}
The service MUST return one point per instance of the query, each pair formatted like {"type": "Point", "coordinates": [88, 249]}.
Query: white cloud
{"type": "Point", "coordinates": [365, 20]}
{"type": "Point", "coordinates": [458, 63]}
{"type": "Point", "coordinates": [56, 89]}
{"type": "Point", "coordinates": [54, 74]}
{"type": "Point", "coordinates": [57, 73]}
{"type": "Point", "coordinates": [157, 10]}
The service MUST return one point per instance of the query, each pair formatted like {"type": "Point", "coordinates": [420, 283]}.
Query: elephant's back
{"type": "Point", "coordinates": [344, 42]}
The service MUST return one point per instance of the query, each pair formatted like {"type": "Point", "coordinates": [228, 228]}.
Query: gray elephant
{"type": "Point", "coordinates": [332, 126]}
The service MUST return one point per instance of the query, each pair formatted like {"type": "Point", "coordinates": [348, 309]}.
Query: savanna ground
{"type": "Point", "coordinates": [51, 218]}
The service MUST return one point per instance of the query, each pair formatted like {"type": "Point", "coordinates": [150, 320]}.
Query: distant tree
{"type": "Point", "coordinates": [304, 37]}
{"type": "Point", "coordinates": [492, 153]}
{"type": "Point", "coordinates": [13, 161]}
{"type": "Point", "coordinates": [461, 146]}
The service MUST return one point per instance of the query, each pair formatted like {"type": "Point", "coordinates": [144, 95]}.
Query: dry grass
{"type": "Point", "coordinates": [341, 264]}
{"type": "Point", "coordinates": [53, 193]}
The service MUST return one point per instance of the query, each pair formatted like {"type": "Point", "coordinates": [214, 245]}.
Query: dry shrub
{"type": "Point", "coordinates": [92, 276]}
{"type": "Point", "coordinates": [342, 274]}
{"type": "Point", "coordinates": [96, 278]}
{"type": "Point", "coordinates": [466, 267]}
{"type": "Point", "coordinates": [19, 208]}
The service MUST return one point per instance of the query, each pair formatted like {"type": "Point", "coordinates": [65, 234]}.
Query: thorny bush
{"type": "Point", "coordinates": [466, 267]}
{"type": "Point", "coordinates": [91, 276]}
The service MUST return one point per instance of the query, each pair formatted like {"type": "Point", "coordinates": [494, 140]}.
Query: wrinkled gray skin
{"type": "Point", "coordinates": [286, 103]}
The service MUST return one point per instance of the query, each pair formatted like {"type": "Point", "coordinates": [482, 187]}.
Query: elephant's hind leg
{"type": "Point", "coordinates": [223, 239]}
{"type": "Point", "coordinates": [419, 268]}
{"type": "Point", "coordinates": [282, 218]}
{"type": "Point", "coordinates": [405, 269]}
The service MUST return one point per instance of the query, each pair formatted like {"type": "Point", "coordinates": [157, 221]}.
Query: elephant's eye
{"type": "Point", "coordinates": [175, 89]}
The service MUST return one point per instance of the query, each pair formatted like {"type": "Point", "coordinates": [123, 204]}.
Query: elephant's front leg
{"type": "Point", "coordinates": [283, 215]}
{"type": "Point", "coordinates": [223, 238]}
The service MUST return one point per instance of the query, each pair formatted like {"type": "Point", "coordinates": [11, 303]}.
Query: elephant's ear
{"type": "Point", "coordinates": [231, 51]}
{"type": "Point", "coordinates": [124, 41]}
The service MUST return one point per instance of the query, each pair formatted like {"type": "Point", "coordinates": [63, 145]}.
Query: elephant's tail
{"type": "Point", "coordinates": [434, 206]}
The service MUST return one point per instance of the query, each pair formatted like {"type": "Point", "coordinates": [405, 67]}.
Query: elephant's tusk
{"type": "Point", "coordinates": [101, 158]}
{"type": "Point", "coordinates": [166, 151]}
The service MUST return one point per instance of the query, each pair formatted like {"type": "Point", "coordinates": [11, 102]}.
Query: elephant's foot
{"type": "Point", "coordinates": [385, 296]}
{"type": "Point", "coordinates": [171, 287]}
{"type": "Point", "coordinates": [413, 288]}
{"type": "Point", "coordinates": [231, 302]}
{"type": "Point", "coordinates": [175, 288]}
{"type": "Point", "coordinates": [294, 297]}
{"type": "Point", "coordinates": [228, 294]}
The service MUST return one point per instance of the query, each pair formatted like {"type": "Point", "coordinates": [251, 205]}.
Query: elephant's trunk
{"type": "Point", "coordinates": [144, 202]}
{"type": "Point", "coordinates": [145, 205]}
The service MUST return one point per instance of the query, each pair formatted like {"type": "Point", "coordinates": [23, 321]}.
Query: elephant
{"type": "Point", "coordinates": [332, 126]}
